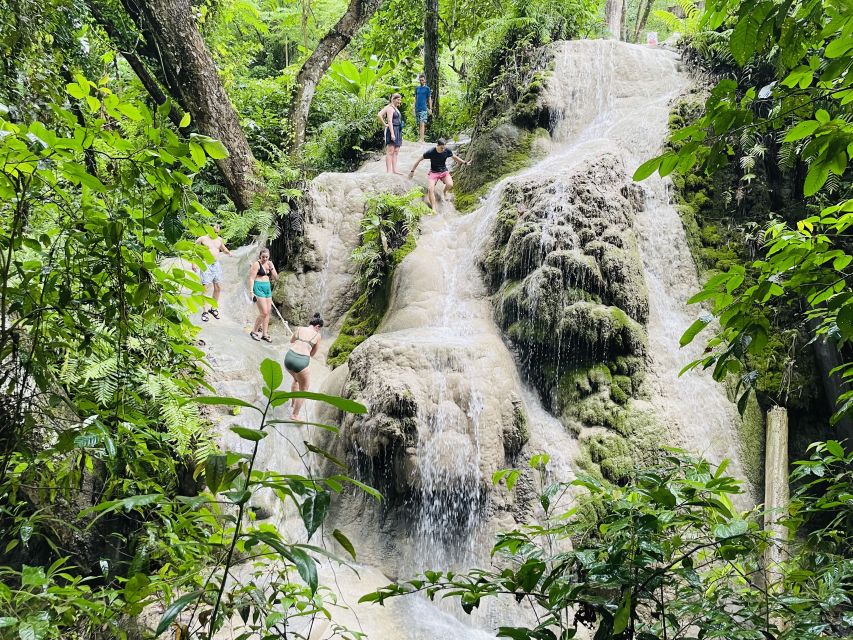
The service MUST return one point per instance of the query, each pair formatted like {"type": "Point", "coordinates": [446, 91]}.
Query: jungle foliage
{"type": "Point", "coordinates": [666, 556]}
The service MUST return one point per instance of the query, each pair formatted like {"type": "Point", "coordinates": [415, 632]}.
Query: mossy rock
{"type": "Point", "coordinates": [502, 150]}
{"type": "Point", "coordinates": [517, 433]}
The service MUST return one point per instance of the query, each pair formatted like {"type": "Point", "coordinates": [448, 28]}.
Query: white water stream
{"type": "Point", "coordinates": [439, 343]}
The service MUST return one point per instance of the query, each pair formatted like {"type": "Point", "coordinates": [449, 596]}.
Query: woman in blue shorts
{"type": "Point", "coordinates": [261, 275]}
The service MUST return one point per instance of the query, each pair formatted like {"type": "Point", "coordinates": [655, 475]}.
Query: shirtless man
{"type": "Point", "coordinates": [213, 274]}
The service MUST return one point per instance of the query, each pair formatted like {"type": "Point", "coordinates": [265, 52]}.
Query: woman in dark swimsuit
{"type": "Point", "coordinates": [261, 273]}
{"type": "Point", "coordinates": [303, 345]}
{"type": "Point", "coordinates": [392, 121]}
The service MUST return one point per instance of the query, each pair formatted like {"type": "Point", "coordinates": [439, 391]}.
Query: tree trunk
{"type": "Point", "coordinates": [642, 17]}
{"type": "Point", "coordinates": [193, 79]}
{"type": "Point", "coordinates": [431, 52]}
{"type": "Point", "coordinates": [358, 12]}
{"type": "Point", "coordinates": [776, 493]}
{"type": "Point", "coordinates": [148, 81]}
{"type": "Point", "coordinates": [614, 18]}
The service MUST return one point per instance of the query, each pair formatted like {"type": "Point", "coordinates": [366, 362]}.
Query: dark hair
{"type": "Point", "coordinates": [441, 142]}
{"type": "Point", "coordinates": [316, 321]}
{"type": "Point", "coordinates": [421, 75]}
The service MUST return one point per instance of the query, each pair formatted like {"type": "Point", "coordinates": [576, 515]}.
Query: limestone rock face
{"type": "Point", "coordinates": [325, 278]}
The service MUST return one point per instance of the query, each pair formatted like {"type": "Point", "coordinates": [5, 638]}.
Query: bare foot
{"type": "Point", "coordinates": [296, 417]}
{"type": "Point", "coordinates": [399, 173]}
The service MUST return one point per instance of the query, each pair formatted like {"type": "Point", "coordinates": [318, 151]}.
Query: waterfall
{"type": "Point", "coordinates": [449, 392]}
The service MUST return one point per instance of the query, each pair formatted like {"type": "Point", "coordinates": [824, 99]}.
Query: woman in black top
{"type": "Point", "coordinates": [392, 120]}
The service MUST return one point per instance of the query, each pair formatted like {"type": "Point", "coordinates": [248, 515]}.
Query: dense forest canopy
{"type": "Point", "coordinates": [129, 127]}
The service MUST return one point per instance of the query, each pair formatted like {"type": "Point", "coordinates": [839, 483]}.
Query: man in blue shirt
{"type": "Point", "coordinates": [423, 105]}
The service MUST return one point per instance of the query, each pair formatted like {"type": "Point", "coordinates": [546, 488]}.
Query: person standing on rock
{"type": "Point", "coordinates": [392, 121]}
{"type": "Point", "coordinates": [261, 275]}
{"type": "Point", "coordinates": [423, 106]}
{"type": "Point", "coordinates": [213, 274]}
{"type": "Point", "coordinates": [303, 345]}
{"type": "Point", "coordinates": [438, 171]}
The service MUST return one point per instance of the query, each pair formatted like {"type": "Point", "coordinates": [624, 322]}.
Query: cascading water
{"type": "Point", "coordinates": [447, 402]}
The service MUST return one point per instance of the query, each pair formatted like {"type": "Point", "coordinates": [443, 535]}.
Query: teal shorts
{"type": "Point", "coordinates": [262, 289]}
{"type": "Point", "coordinates": [296, 362]}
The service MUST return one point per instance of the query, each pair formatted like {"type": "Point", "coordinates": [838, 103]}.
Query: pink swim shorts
{"type": "Point", "coordinates": [435, 177]}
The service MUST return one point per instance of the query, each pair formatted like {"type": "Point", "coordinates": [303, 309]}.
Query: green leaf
{"type": "Point", "coordinates": [816, 178]}
{"type": "Point", "coordinates": [341, 403]}
{"type": "Point", "coordinates": [33, 576]}
{"type": "Point", "coordinates": [646, 169]}
{"type": "Point", "coordinates": [255, 435]}
{"type": "Point", "coordinates": [221, 400]}
{"type": "Point", "coordinates": [838, 47]}
{"type": "Point", "coordinates": [325, 454]}
{"type": "Point", "coordinates": [313, 510]}
{"type": "Point", "coordinates": [732, 528]}
{"type": "Point", "coordinates": [175, 609]}
{"type": "Point", "coordinates": [272, 374]}
{"type": "Point", "coordinates": [6, 621]}
{"type": "Point", "coordinates": [802, 130]}
{"type": "Point", "coordinates": [745, 36]}
{"type": "Point", "coordinates": [75, 90]}
{"type": "Point", "coordinates": [367, 489]}
{"type": "Point", "coordinates": [306, 567]}
{"type": "Point", "coordinates": [130, 111]}
{"type": "Point", "coordinates": [214, 471]}
{"type": "Point", "coordinates": [338, 535]}
{"type": "Point", "coordinates": [693, 330]}
{"type": "Point", "coordinates": [197, 154]}
{"type": "Point", "coordinates": [844, 320]}
{"type": "Point", "coordinates": [835, 448]}
{"type": "Point", "coordinates": [623, 614]}
{"type": "Point", "coordinates": [215, 149]}
{"type": "Point", "coordinates": [185, 122]}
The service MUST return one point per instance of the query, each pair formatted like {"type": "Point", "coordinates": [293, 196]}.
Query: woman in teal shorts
{"type": "Point", "coordinates": [261, 273]}
{"type": "Point", "coordinates": [303, 345]}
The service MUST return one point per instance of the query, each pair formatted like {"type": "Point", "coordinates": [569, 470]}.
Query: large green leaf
{"type": "Point", "coordinates": [338, 535]}
{"type": "Point", "coordinates": [350, 406]}
{"type": "Point", "coordinates": [175, 609]}
{"type": "Point", "coordinates": [313, 510]}
{"type": "Point", "coordinates": [272, 374]}
{"type": "Point", "coordinates": [214, 471]}
{"type": "Point", "coordinates": [254, 435]}
{"type": "Point", "coordinates": [221, 400]}
{"type": "Point", "coordinates": [306, 567]}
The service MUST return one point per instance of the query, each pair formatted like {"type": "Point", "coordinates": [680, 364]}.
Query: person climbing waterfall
{"type": "Point", "coordinates": [213, 274]}
{"type": "Point", "coordinates": [438, 171]}
{"type": "Point", "coordinates": [303, 345]}
{"type": "Point", "coordinates": [392, 121]}
{"type": "Point", "coordinates": [261, 275]}
{"type": "Point", "coordinates": [423, 106]}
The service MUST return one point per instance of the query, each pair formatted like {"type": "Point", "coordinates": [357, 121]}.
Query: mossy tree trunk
{"type": "Point", "coordinates": [431, 46]}
{"type": "Point", "coordinates": [642, 17]}
{"type": "Point", "coordinates": [339, 36]}
{"type": "Point", "coordinates": [192, 78]}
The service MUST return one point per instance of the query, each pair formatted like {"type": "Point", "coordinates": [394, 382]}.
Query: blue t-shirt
{"type": "Point", "coordinates": [422, 94]}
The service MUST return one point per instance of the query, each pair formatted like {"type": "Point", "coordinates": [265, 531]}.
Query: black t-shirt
{"type": "Point", "coordinates": [438, 159]}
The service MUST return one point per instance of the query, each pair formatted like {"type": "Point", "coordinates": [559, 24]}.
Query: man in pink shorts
{"type": "Point", "coordinates": [438, 157]}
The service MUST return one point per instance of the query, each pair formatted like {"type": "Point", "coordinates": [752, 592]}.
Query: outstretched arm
{"type": "Point", "coordinates": [412, 172]}
{"type": "Point", "coordinates": [460, 160]}
{"type": "Point", "coordinates": [315, 347]}
{"type": "Point", "coordinates": [253, 270]}
{"type": "Point", "coordinates": [224, 249]}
